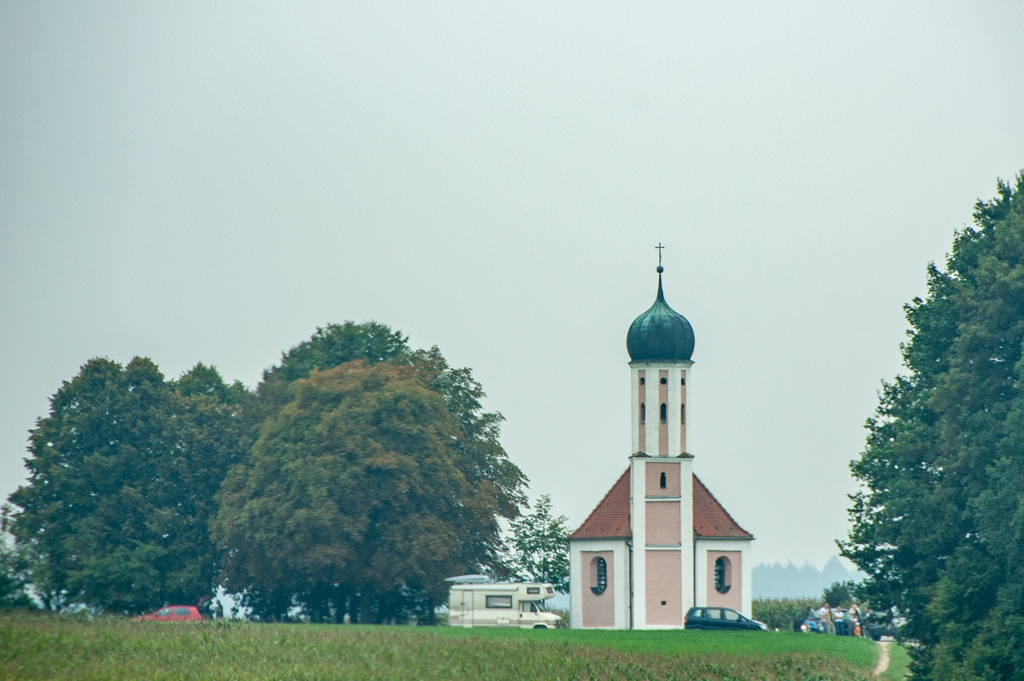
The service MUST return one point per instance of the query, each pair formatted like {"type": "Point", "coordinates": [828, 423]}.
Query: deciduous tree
{"type": "Point", "coordinates": [364, 490]}
{"type": "Point", "coordinates": [538, 547]}
{"type": "Point", "coordinates": [122, 478]}
{"type": "Point", "coordinates": [939, 528]}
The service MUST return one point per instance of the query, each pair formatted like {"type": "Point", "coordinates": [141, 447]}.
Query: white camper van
{"type": "Point", "coordinates": [476, 602]}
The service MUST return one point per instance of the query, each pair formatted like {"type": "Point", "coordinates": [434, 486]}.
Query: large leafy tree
{"type": "Point", "coordinates": [376, 474]}
{"type": "Point", "coordinates": [940, 526]}
{"type": "Point", "coordinates": [328, 347]}
{"type": "Point", "coordinates": [123, 474]}
{"type": "Point", "coordinates": [538, 547]}
{"type": "Point", "coordinates": [471, 481]}
{"type": "Point", "coordinates": [373, 342]}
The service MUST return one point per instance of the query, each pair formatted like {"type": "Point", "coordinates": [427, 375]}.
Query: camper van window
{"type": "Point", "coordinates": [550, 590]}
{"type": "Point", "coordinates": [533, 589]}
{"type": "Point", "coordinates": [533, 606]}
{"type": "Point", "coordinates": [499, 601]}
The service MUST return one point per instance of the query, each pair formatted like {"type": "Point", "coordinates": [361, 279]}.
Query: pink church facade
{"type": "Point", "coordinates": [659, 542]}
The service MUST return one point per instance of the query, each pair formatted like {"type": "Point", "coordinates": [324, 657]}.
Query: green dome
{"type": "Point", "coordinates": [661, 334]}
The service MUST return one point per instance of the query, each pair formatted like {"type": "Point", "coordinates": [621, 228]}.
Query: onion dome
{"type": "Point", "coordinates": [661, 334]}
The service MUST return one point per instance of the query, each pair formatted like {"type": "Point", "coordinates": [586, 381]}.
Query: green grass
{"type": "Point", "coordinates": [859, 652]}
{"type": "Point", "coordinates": [49, 647]}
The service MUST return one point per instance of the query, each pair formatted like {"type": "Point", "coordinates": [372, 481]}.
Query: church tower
{"type": "Point", "coordinates": [660, 344]}
{"type": "Point", "coordinates": [659, 542]}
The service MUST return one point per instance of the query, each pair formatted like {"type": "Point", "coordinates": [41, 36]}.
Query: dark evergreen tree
{"type": "Point", "coordinates": [940, 527]}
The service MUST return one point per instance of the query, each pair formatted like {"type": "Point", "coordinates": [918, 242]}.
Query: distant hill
{"type": "Point", "coordinates": [790, 581]}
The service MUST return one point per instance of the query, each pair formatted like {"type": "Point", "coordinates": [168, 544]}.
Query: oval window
{"type": "Point", "coordinates": [598, 575]}
{"type": "Point", "coordinates": [723, 575]}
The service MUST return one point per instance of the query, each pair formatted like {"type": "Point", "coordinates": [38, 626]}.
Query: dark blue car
{"type": "Point", "coordinates": [721, 618]}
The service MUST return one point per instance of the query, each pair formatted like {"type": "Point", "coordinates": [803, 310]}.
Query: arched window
{"type": "Point", "coordinates": [664, 412]}
{"type": "Point", "coordinates": [663, 481]}
{"type": "Point", "coordinates": [642, 381]}
{"type": "Point", "coordinates": [598, 575]}
{"type": "Point", "coordinates": [723, 575]}
{"type": "Point", "coordinates": [643, 413]}
{"type": "Point", "coordinates": [682, 413]}
{"type": "Point", "coordinates": [664, 381]}
{"type": "Point", "coordinates": [683, 382]}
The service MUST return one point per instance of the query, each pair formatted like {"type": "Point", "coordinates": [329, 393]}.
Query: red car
{"type": "Point", "coordinates": [174, 613]}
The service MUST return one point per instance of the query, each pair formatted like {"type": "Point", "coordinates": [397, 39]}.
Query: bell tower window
{"type": "Point", "coordinates": [664, 413]}
{"type": "Point", "coordinates": [643, 413]}
{"type": "Point", "coordinates": [664, 482]}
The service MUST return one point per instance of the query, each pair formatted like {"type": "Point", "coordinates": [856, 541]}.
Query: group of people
{"type": "Point", "coordinates": [839, 622]}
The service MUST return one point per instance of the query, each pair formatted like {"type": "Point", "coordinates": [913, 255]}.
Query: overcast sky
{"type": "Point", "coordinates": [212, 181]}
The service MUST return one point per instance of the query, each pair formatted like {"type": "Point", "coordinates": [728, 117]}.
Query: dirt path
{"type": "Point", "coordinates": [883, 659]}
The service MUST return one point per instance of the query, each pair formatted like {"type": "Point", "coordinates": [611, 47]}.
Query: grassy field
{"type": "Point", "coordinates": [858, 652]}
{"type": "Point", "coordinates": [51, 648]}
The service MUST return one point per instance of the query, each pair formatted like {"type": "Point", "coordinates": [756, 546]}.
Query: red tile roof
{"type": "Point", "coordinates": [610, 519]}
{"type": "Point", "coordinates": [710, 519]}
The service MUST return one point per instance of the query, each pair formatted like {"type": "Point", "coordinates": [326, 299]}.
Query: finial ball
{"type": "Point", "coordinates": [660, 269]}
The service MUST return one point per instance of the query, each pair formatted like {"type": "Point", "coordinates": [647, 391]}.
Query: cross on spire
{"type": "Point", "coordinates": [660, 248]}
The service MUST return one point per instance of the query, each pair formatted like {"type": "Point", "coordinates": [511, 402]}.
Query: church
{"type": "Point", "coordinates": [659, 542]}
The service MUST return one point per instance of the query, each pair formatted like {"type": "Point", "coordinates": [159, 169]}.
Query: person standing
{"type": "Point", "coordinates": [841, 622]}
{"type": "Point", "coordinates": [826, 619]}
{"type": "Point", "coordinates": [854, 613]}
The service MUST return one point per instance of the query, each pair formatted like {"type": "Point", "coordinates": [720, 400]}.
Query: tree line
{"type": "Point", "coordinates": [354, 478]}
